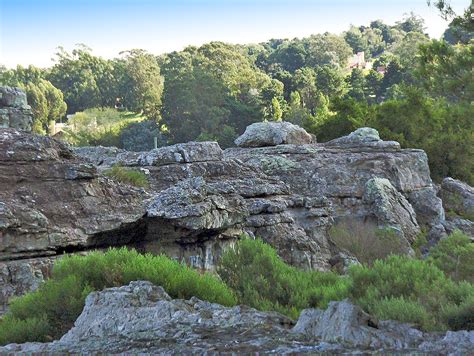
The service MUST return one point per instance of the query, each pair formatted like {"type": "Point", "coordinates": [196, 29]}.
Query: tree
{"type": "Point", "coordinates": [411, 23]}
{"type": "Point", "coordinates": [445, 131]}
{"type": "Point", "coordinates": [46, 101]}
{"type": "Point", "coordinates": [142, 86]}
{"type": "Point", "coordinates": [85, 80]}
{"type": "Point", "coordinates": [356, 40]}
{"type": "Point", "coordinates": [290, 54]}
{"type": "Point", "coordinates": [326, 49]}
{"type": "Point", "coordinates": [330, 81]}
{"type": "Point", "coordinates": [276, 112]}
{"type": "Point", "coordinates": [408, 48]}
{"type": "Point", "coordinates": [446, 71]}
{"type": "Point", "coordinates": [357, 85]}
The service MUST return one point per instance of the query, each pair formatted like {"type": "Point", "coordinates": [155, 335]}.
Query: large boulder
{"type": "Point", "coordinates": [343, 322]}
{"type": "Point", "coordinates": [142, 318]}
{"type": "Point", "coordinates": [52, 202]}
{"type": "Point", "coordinates": [391, 209]}
{"type": "Point", "coordinates": [262, 134]}
{"type": "Point", "coordinates": [364, 136]}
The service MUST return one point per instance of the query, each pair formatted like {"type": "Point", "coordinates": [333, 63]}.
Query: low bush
{"type": "Point", "coordinates": [128, 176]}
{"type": "Point", "coordinates": [51, 311]}
{"type": "Point", "coordinates": [455, 256]}
{"type": "Point", "coordinates": [366, 241]}
{"type": "Point", "coordinates": [262, 280]}
{"type": "Point", "coordinates": [460, 317]}
{"type": "Point", "coordinates": [407, 289]}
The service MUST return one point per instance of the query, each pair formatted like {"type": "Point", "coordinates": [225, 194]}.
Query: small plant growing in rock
{"type": "Point", "coordinates": [128, 176]}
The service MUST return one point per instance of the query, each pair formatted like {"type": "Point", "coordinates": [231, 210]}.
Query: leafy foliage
{"type": "Point", "coordinates": [412, 290]}
{"type": "Point", "coordinates": [455, 256]}
{"type": "Point", "coordinates": [262, 280]}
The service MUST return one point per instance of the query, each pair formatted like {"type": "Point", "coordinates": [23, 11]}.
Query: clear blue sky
{"type": "Point", "coordinates": [30, 30]}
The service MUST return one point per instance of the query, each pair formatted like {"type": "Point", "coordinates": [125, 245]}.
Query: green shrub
{"type": "Point", "coordinates": [13, 330]}
{"type": "Point", "coordinates": [421, 286]}
{"type": "Point", "coordinates": [262, 280]}
{"type": "Point", "coordinates": [404, 310]}
{"type": "Point", "coordinates": [128, 176]}
{"type": "Point", "coordinates": [460, 317]}
{"type": "Point", "coordinates": [455, 256]}
{"type": "Point", "coordinates": [366, 241]}
{"type": "Point", "coordinates": [51, 310]}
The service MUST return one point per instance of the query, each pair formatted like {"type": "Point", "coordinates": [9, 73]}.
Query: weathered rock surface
{"type": "Point", "coordinates": [391, 209]}
{"type": "Point", "coordinates": [458, 197]}
{"type": "Point", "coordinates": [201, 199]}
{"type": "Point", "coordinates": [262, 134]}
{"type": "Point", "coordinates": [14, 110]}
{"type": "Point", "coordinates": [142, 318]}
{"type": "Point", "coordinates": [51, 203]}
{"type": "Point", "coordinates": [343, 322]}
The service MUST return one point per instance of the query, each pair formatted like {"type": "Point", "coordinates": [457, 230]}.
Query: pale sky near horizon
{"type": "Point", "coordinates": [31, 30]}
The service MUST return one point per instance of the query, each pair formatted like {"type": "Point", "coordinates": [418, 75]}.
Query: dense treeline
{"type": "Point", "coordinates": [414, 90]}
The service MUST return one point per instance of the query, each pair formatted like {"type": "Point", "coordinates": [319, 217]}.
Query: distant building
{"type": "Point", "coordinates": [358, 61]}
{"type": "Point", "coordinates": [381, 69]}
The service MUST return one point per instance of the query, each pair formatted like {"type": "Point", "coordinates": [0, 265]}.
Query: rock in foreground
{"type": "Point", "coordinates": [141, 317]}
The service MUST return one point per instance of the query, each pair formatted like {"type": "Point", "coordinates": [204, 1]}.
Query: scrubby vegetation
{"type": "Point", "coordinates": [397, 287]}
{"type": "Point", "coordinates": [455, 256]}
{"type": "Point", "coordinates": [366, 241]}
{"type": "Point", "coordinates": [409, 290]}
{"type": "Point", "coordinates": [128, 175]}
{"type": "Point", "coordinates": [51, 310]}
{"type": "Point", "coordinates": [262, 280]}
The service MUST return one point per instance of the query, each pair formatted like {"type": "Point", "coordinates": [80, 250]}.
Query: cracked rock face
{"type": "Point", "coordinates": [14, 110]}
{"type": "Point", "coordinates": [142, 318]}
{"type": "Point", "coordinates": [51, 202]}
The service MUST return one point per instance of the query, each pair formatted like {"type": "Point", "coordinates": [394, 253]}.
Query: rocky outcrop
{"type": "Point", "coordinates": [262, 134]}
{"type": "Point", "coordinates": [201, 199]}
{"type": "Point", "coordinates": [14, 110]}
{"type": "Point", "coordinates": [51, 203]}
{"type": "Point", "coordinates": [142, 318]}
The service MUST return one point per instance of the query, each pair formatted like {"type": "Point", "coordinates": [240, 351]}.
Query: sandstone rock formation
{"type": "Point", "coordinates": [142, 318]}
{"type": "Point", "coordinates": [14, 110]}
{"type": "Point", "coordinates": [392, 209]}
{"type": "Point", "coordinates": [262, 134]}
{"type": "Point", "coordinates": [201, 199]}
{"type": "Point", "coordinates": [51, 203]}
